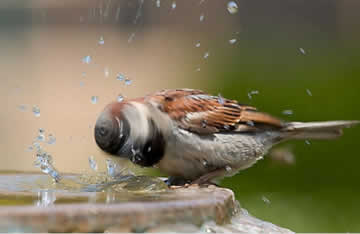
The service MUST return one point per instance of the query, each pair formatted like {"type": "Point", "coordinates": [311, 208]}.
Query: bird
{"type": "Point", "coordinates": [195, 137]}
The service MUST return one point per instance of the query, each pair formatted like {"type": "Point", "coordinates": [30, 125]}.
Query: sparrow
{"type": "Point", "coordinates": [196, 137]}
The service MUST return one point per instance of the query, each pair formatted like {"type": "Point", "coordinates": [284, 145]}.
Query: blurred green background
{"type": "Point", "coordinates": [283, 49]}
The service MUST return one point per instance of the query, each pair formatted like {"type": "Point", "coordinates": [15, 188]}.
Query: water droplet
{"type": "Point", "coordinates": [158, 3]}
{"type": "Point", "coordinates": [36, 111]}
{"type": "Point", "coordinates": [252, 92]}
{"type": "Point", "coordinates": [232, 41]}
{"type": "Point", "coordinates": [302, 51]}
{"type": "Point", "coordinates": [206, 55]}
{"type": "Point", "coordinates": [250, 123]}
{"type": "Point", "coordinates": [120, 98]}
{"type": "Point", "coordinates": [232, 7]}
{"type": "Point", "coordinates": [197, 44]}
{"type": "Point", "coordinates": [41, 136]}
{"type": "Point", "coordinates": [307, 142]}
{"type": "Point", "coordinates": [120, 77]}
{"type": "Point", "coordinates": [197, 69]}
{"type": "Point", "coordinates": [51, 139]}
{"type": "Point", "coordinates": [101, 41]}
{"type": "Point", "coordinates": [287, 112]}
{"type": "Point", "coordinates": [173, 5]}
{"type": "Point", "coordinates": [94, 99]}
{"type": "Point", "coordinates": [205, 163]}
{"type": "Point", "coordinates": [220, 99]}
{"type": "Point", "coordinates": [29, 148]}
{"type": "Point", "coordinates": [87, 59]}
{"type": "Point", "coordinates": [128, 81]}
{"type": "Point", "coordinates": [131, 37]}
{"type": "Point", "coordinates": [309, 92]}
{"type": "Point", "coordinates": [149, 149]}
{"type": "Point", "coordinates": [228, 168]}
{"type": "Point", "coordinates": [22, 107]}
{"type": "Point", "coordinates": [111, 167]}
{"type": "Point", "coordinates": [106, 72]}
{"type": "Point", "coordinates": [44, 162]}
{"type": "Point", "coordinates": [92, 163]}
{"type": "Point", "coordinates": [266, 200]}
{"type": "Point", "coordinates": [202, 17]}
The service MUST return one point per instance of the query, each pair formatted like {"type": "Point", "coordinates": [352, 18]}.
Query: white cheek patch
{"type": "Point", "coordinates": [137, 115]}
{"type": "Point", "coordinates": [120, 125]}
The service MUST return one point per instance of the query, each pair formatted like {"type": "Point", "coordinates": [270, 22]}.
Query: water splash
{"type": "Point", "coordinates": [44, 162]}
{"type": "Point", "coordinates": [232, 7]}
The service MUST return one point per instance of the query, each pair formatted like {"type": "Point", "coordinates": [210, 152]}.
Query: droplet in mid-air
{"type": "Point", "coordinates": [309, 92]}
{"type": "Point", "coordinates": [36, 111]}
{"type": "Point", "coordinates": [41, 135]}
{"type": "Point", "coordinates": [51, 139]}
{"type": "Point", "coordinates": [228, 168]}
{"type": "Point", "coordinates": [206, 55]}
{"type": "Point", "coordinates": [232, 41]}
{"type": "Point", "coordinates": [22, 107]}
{"type": "Point", "coordinates": [111, 167]}
{"type": "Point", "coordinates": [158, 3]}
{"type": "Point", "coordinates": [252, 92]}
{"type": "Point", "coordinates": [92, 163]}
{"type": "Point", "coordinates": [287, 112]}
{"type": "Point", "coordinates": [302, 51]}
{"type": "Point", "coordinates": [87, 59]}
{"type": "Point", "coordinates": [307, 142]}
{"type": "Point", "coordinates": [266, 200]}
{"type": "Point", "coordinates": [220, 99]}
{"type": "Point", "coordinates": [173, 5]}
{"type": "Point", "coordinates": [197, 44]}
{"type": "Point", "coordinates": [202, 17]}
{"type": "Point", "coordinates": [232, 7]}
{"type": "Point", "coordinates": [106, 72]}
{"type": "Point", "coordinates": [120, 98]}
{"type": "Point", "coordinates": [128, 81]}
{"type": "Point", "coordinates": [94, 99]}
{"type": "Point", "coordinates": [198, 69]}
{"type": "Point", "coordinates": [120, 77]}
{"type": "Point", "coordinates": [101, 41]}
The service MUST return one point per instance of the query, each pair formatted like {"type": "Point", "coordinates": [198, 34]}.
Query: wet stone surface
{"type": "Point", "coordinates": [93, 203]}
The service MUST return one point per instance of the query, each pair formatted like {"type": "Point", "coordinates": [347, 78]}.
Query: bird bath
{"type": "Point", "coordinates": [32, 202]}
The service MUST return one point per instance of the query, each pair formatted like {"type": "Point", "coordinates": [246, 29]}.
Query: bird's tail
{"type": "Point", "coordinates": [316, 130]}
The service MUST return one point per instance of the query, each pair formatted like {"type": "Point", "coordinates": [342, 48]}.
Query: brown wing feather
{"type": "Point", "coordinates": [199, 112]}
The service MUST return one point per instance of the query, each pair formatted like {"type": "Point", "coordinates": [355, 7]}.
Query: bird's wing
{"type": "Point", "coordinates": [199, 112]}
